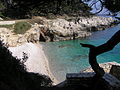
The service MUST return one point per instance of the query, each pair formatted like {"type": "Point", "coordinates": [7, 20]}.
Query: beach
{"type": "Point", "coordinates": [36, 62]}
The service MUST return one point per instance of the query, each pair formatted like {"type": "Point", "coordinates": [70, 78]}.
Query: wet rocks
{"type": "Point", "coordinates": [106, 66]}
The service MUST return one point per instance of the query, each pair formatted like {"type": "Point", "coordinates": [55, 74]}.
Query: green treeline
{"type": "Point", "coordinates": [29, 8]}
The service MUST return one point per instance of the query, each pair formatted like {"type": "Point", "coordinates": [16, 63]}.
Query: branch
{"type": "Point", "coordinates": [101, 7]}
{"type": "Point", "coordinates": [94, 2]}
{"type": "Point", "coordinates": [95, 51]}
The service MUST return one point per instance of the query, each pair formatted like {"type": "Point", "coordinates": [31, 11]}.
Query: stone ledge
{"type": "Point", "coordinates": [108, 82]}
{"type": "Point", "coordinates": [7, 22]}
{"type": "Point", "coordinates": [115, 71]}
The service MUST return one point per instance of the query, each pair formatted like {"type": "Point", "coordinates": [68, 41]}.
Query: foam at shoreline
{"type": "Point", "coordinates": [36, 62]}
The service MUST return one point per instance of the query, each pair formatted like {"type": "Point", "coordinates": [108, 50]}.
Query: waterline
{"type": "Point", "coordinates": [68, 56]}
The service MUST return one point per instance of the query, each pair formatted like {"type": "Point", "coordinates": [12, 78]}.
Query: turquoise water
{"type": "Point", "coordinates": [70, 57]}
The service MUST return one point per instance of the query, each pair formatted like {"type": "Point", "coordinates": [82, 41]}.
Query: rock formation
{"type": "Point", "coordinates": [106, 66]}
{"type": "Point", "coordinates": [55, 29]}
{"type": "Point", "coordinates": [62, 29]}
{"type": "Point", "coordinates": [1, 18]}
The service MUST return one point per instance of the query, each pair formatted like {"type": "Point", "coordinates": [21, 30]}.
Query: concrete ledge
{"type": "Point", "coordinates": [107, 82]}
{"type": "Point", "coordinates": [115, 71]}
{"type": "Point", "coordinates": [7, 22]}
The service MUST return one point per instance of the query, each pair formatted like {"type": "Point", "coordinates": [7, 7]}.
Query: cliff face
{"type": "Point", "coordinates": [56, 29]}
{"type": "Point", "coordinates": [77, 28]}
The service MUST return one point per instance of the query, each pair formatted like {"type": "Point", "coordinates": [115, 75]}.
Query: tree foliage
{"type": "Point", "coordinates": [112, 5]}
{"type": "Point", "coordinates": [28, 8]}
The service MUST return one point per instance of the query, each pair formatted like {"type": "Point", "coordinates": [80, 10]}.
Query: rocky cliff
{"type": "Point", "coordinates": [78, 27]}
{"type": "Point", "coordinates": [56, 29]}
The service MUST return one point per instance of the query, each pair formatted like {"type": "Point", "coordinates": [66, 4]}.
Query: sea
{"type": "Point", "coordinates": [69, 57]}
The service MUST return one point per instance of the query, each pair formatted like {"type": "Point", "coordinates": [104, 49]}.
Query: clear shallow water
{"type": "Point", "coordinates": [69, 57]}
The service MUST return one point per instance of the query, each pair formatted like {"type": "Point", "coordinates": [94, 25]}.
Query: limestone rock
{"type": "Point", "coordinates": [115, 71]}
{"type": "Point", "coordinates": [1, 18]}
{"type": "Point", "coordinates": [81, 27]}
{"type": "Point", "coordinates": [12, 41]}
{"type": "Point", "coordinates": [33, 38]}
{"type": "Point", "coordinates": [55, 29]}
{"type": "Point", "coordinates": [21, 39]}
{"type": "Point", "coordinates": [106, 66]}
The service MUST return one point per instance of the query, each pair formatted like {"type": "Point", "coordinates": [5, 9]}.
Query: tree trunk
{"type": "Point", "coordinates": [95, 51]}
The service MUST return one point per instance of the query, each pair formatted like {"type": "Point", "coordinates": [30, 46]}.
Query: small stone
{"type": "Point", "coordinates": [1, 18]}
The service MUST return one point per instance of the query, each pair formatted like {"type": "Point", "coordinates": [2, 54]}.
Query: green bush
{"type": "Point", "coordinates": [1, 5]}
{"type": "Point", "coordinates": [7, 26]}
{"type": "Point", "coordinates": [1, 15]}
{"type": "Point", "coordinates": [21, 27]}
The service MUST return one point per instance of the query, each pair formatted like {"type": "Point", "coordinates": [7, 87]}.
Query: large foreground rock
{"type": "Point", "coordinates": [88, 81]}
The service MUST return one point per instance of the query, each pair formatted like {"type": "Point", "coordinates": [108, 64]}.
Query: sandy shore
{"type": "Point", "coordinates": [37, 61]}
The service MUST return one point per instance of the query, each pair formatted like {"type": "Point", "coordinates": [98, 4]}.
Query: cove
{"type": "Point", "coordinates": [69, 57]}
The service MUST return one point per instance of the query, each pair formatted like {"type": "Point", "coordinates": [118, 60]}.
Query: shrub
{"type": "Point", "coordinates": [1, 15]}
{"type": "Point", "coordinates": [2, 5]}
{"type": "Point", "coordinates": [21, 27]}
{"type": "Point", "coordinates": [7, 26]}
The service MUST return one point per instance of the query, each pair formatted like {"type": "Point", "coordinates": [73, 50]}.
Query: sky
{"type": "Point", "coordinates": [104, 12]}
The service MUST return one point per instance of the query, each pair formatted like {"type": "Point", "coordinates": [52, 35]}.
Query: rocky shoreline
{"type": "Point", "coordinates": [112, 68]}
{"type": "Point", "coordinates": [106, 67]}
{"type": "Point", "coordinates": [56, 29]}
{"type": "Point", "coordinates": [62, 29]}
